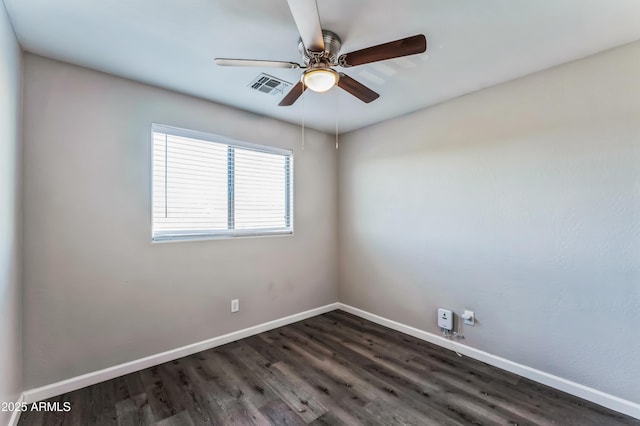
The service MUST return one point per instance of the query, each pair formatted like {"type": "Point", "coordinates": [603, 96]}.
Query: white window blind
{"type": "Point", "coordinates": [208, 186]}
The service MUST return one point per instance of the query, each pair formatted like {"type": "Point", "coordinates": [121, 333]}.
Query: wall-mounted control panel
{"type": "Point", "coordinates": [445, 319]}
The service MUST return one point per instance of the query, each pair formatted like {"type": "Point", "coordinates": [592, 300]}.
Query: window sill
{"type": "Point", "coordinates": [175, 238]}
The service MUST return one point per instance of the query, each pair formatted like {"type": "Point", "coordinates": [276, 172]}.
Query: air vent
{"type": "Point", "coordinates": [270, 85]}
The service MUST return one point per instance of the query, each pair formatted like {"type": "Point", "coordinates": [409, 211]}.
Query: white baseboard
{"type": "Point", "coordinates": [15, 416]}
{"type": "Point", "coordinates": [89, 379]}
{"type": "Point", "coordinates": [613, 402]}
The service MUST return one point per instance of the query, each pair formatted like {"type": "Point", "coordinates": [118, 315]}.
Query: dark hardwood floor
{"type": "Point", "coordinates": [329, 370]}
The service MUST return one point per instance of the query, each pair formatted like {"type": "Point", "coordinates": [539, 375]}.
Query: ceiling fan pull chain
{"type": "Point", "coordinates": [303, 97]}
{"type": "Point", "coordinates": [337, 115]}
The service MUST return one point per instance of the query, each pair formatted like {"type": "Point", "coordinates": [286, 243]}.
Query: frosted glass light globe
{"type": "Point", "coordinates": [320, 80]}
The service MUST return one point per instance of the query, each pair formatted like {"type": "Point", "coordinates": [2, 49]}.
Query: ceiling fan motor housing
{"type": "Point", "coordinates": [329, 56]}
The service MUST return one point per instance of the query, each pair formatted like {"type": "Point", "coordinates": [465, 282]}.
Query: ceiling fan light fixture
{"type": "Point", "coordinates": [320, 80]}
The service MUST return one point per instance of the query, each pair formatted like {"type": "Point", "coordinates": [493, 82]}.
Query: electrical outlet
{"type": "Point", "coordinates": [235, 305]}
{"type": "Point", "coordinates": [469, 318]}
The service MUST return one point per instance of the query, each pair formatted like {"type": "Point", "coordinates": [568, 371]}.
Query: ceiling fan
{"type": "Point", "coordinates": [320, 51]}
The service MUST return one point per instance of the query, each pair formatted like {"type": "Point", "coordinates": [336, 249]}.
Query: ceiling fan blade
{"type": "Point", "coordinates": [293, 95]}
{"type": "Point", "coordinates": [393, 49]}
{"type": "Point", "coordinates": [305, 14]}
{"type": "Point", "coordinates": [357, 89]}
{"type": "Point", "coordinates": [227, 62]}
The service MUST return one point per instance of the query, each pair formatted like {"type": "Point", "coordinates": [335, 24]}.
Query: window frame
{"type": "Point", "coordinates": [199, 235]}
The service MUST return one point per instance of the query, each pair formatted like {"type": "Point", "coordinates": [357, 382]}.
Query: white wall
{"type": "Point", "coordinates": [521, 202]}
{"type": "Point", "coordinates": [97, 292]}
{"type": "Point", "coordinates": [10, 147]}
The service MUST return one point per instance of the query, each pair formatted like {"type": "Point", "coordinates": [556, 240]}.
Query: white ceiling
{"type": "Point", "coordinates": [472, 44]}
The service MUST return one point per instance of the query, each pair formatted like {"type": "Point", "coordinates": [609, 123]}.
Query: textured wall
{"type": "Point", "coordinates": [10, 146]}
{"type": "Point", "coordinates": [521, 202]}
{"type": "Point", "coordinates": [97, 291]}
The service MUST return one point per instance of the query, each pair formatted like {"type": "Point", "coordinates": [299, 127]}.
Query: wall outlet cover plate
{"type": "Point", "coordinates": [469, 318]}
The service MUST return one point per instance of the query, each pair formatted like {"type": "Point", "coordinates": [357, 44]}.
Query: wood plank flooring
{"type": "Point", "coordinates": [333, 369]}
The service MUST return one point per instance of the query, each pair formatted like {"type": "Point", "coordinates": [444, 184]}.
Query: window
{"type": "Point", "coordinates": [208, 186]}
